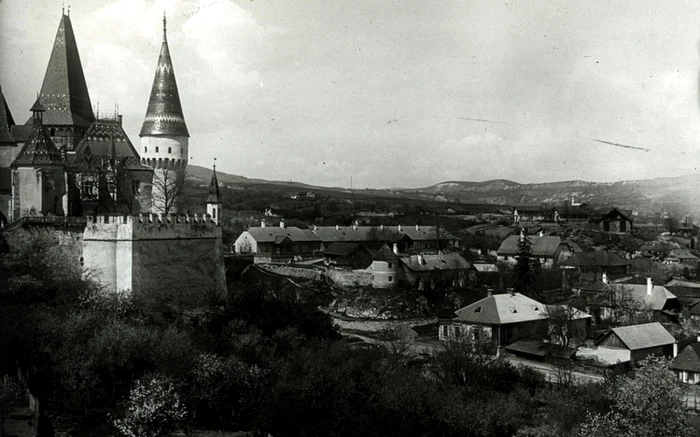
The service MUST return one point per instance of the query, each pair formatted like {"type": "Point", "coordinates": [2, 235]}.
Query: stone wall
{"type": "Point", "coordinates": [292, 272]}
{"type": "Point", "coordinates": [379, 325]}
{"type": "Point", "coordinates": [350, 278]}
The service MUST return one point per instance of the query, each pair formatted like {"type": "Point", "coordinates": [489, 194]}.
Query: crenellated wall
{"type": "Point", "coordinates": [159, 255]}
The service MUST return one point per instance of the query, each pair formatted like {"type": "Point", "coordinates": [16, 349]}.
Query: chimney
{"type": "Point", "coordinates": [262, 223]}
{"type": "Point", "coordinates": [416, 226]}
{"type": "Point", "coordinates": [282, 223]}
{"type": "Point", "coordinates": [381, 227]}
{"type": "Point", "coordinates": [420, 259]}
{"type": "Point", "coordinates": [489, 292]}
{"type": "Point", "coordinates": [650, 286]}
{"type": "Point", "coordinates": [675, 349]}
{"type": "Point", "coordinates": [396, 248]}
{"type": "Point", "coordinates": [315, 228]}
{"type": "Point", "coordinates": [119, 119]}
{"type": "Point", "coordinates": [354, 226]}
{"type": "Point", "coordinates": [511, 291]}
{"type": "Point", "coordinates": [605, 278]}
{"type": "Point", "coordinates": [337, 227]}
{"type": "Point", "coordinates": [698, 339]}
{"type": "Point", "coordinates": [399, 227]}
{"type": "Point", "coordinates": [541, 234]}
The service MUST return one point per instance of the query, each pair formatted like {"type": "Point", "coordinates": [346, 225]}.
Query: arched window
{"type": "Point", "coordinates": [145, 149]}
{"type": "Point", "coordinates": [156, 149]}
{"type": "Point", "coordinates": [170, 149]}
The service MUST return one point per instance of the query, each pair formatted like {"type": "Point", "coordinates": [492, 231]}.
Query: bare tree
{"type": "Point", "coordinates": [565, 324]}
{"type": "Point", "coordinates": [166, 190]}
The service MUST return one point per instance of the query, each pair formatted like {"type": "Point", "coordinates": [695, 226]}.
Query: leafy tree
{"type": "Point", "coordinates": [11, 396]}
{"type": "Point", "coordinates": [525, 267]}
{"type": "Point", "coordinates": [153, 408]}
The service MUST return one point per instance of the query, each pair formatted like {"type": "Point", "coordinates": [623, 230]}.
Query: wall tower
{"type": "Point", "coordinates": [164, 136]}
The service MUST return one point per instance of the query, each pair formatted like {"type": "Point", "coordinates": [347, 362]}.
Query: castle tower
{"type": "Point", "coordinates": [38, 172]}
{"type": "Point", "coordinates": [64, 92]}
{"type": "Point", "coordinates": [164, 135]}
{"type": "Point", "coordinates": [214, 199]}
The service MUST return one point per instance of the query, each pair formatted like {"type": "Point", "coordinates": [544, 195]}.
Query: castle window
{"type": "Point", "coordinates": [182, 150]}
{"type": "Point", "coordinates": [145, 149]}
{"type": "Point", "coordinates": [156, 149]}
{"type": "Point", "coordinates": [170, 149]}
{"type": "Point", "coordinates": [391, 279]}
{"type": "Point", "coordinates": [213, 211]}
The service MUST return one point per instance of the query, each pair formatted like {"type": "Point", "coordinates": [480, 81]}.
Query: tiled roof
{"type": "Point", "coordinates": [164, 114]}
{"type": "Point", "coordinates": [540, 348]}
{"type": "Point", "coordinates": [38, 150]}
{"type": "Point", "coordinates": [269, 234]}
{"type": "Point", "coordinates": [105, 140]}
{"type": "Point", "coordinates": [541, 246]}
{"type": "Point", "coordinates": [500, 309]}
{"type": "Point", "coordinates": [214, 195]}
{"type": "Point", "coordinates": [329, 234]}
{"type": "Point", "coordinates": [682, 254]}
{"type": "Point", "coordinates": [486, 268]}
{"type": "Point", "coordinates": [341, 249]}
{"type": "Point", "coordinates": [655, 301]}
{"type": "Point", "coordinates": [6, 121]}
{"type": "Point", "coordinates": [616, 214]}
{"type": "Point", "coordinates": [689, 359]}
{"type": "Point", "coordinates": [643, 336]}
{"type": "Point", "coordinates": [595, 259]}
{"type": "Point", "coordinates": [445, 261]}
{"type": "Point", "coordinates": [64, 92]}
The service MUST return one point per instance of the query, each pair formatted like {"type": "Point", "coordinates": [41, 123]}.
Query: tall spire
{"type": "Point", "coordinates": [64, 92]}
{"type": "Point", "coordinates": [6, 121]}
{"type": "Point", "coordinates": [214, 195]}
{"type": "Point", "coordinates": [164, 114]}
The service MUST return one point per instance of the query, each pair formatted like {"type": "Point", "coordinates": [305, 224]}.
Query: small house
{"type": "Point", "coordinates": [615, 222]}
{"type": "Point", "coordinates": [687, 364]}
{"type": "Point", "coordinates": [549, 250]}
{"type": "Point", "coordinates": [353, 255]}
{"type": "Point", "coordinates": [429, 271]}
{"type": "Point", "coordinates": [682, 256]}
{"type": "Point", "coordinates": [642, 341]}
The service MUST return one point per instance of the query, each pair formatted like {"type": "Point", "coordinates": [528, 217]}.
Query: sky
{"type": "Point", "coordinates": [392, 93]}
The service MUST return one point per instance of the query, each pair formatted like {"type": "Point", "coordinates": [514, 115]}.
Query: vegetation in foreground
{"type": "Point", "coordinates": [265, 360]}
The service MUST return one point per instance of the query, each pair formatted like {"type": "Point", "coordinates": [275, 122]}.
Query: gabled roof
{"type": "Point", "coordinates": [682, 254]}
{"type": "Point", "coordinates": [540, 348]}
{"type": "Point", "coordinates": [644, 336]}
{"type": "Point", "coordinates": [615, 214]}
{"type": "Point", "coordinates": [500, 309]}
{"type": "Point", "coordinates": [595, 259]}
{"type": "Point", "coordinates": [6, 121]}
{"type": "Point", "coordinates": [329, 234]}
{"type": "Point", "coordinates": [64, 91]}
{"type": "Point", "coordinates": [655, 301]}
{"type": "Point", "coordinates": [445, 261]}
{"type": "Point", "coordinates": [105, 141]}
{"type": "Point", "coordinates": [214, 195]}
{"type": "Point", "coordinates": [164, 113]}
{"type": "Point", "coordinates": [343, 249]}
{"type": "Point", "coordinates": [270, 234]}
{"type": "Point", "coordinates": [689, 359]}
{"type": "Point", "coordinates": [485, 268]}
{"type": "Point", "coordinates": [541, 246]}
{"type": "Point", "coordinates": [38, 150]}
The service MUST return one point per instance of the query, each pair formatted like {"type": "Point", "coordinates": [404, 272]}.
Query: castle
{"type": "Point", "coordinates": [112, 207]}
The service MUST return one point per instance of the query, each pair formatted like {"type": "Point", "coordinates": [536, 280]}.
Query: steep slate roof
{"type": "Point", "coordinates": [500, 309]}
{"type": "Point", "coordinates": [214, 195]}
{"type": "Point", "coordinates": [541, 246]}
{"type": "Point", "coordinates": [64, 92]}
{"type": "Point", "coordinates": [38, 150]}
{"type": "Point", "coordinates": [6, 121]}
{"type": "Point", "coordinates": [642, 336]}
{"type": "Point", "coordinates": [446, 261]}
{"type": "Point", "coordinates": [164, 114]}
{"type": "Point", "coordinates": [270, 234]}
{"type": "Point", "coordinates": [595, 259]}
{"type": "Point", "coordinates": [689, 359]}
{"type": "Point", "coordinates": [105, 140]}
{"type": "Point", "coordinates": [655, 301]}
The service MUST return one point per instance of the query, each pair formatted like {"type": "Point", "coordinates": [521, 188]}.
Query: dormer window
{"type": "Point", "coordinates": [477, 310]}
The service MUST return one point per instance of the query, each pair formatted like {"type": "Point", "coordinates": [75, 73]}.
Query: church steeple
{"type": "Point", "coordinates": [64, 92]}
{"type": "Point", "coordinates": [164, 114]}
{"type": "Point", "coordinates": [214, 197]}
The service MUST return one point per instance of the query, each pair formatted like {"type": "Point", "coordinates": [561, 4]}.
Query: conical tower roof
{"type": "Point", "coordinates": [64, 92]}
{"type": "Point", "coordinates": [164, 114]}
{"type": "Point", "coordinates": [38, 149]}
{"type": "Point", "coordinates": [6, 121]}
{"type": "Point", "coordinates": [214, 195]}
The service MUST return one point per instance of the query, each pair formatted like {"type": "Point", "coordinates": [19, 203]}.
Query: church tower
{"type": "Point", "coordinates": [214, 199]}
{"type": "Point", "coordinates": [64, 93]}
{"type": "Point", "coordinates": [164, 136]}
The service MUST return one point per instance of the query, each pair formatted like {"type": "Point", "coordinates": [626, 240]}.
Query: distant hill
{"type": "Point", "coordinates": [675, 194]}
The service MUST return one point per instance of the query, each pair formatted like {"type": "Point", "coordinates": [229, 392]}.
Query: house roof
{"type": "Point", "coordinates": [486, 268]}
{"type": "Point", "coordinates": [540, 348]}
{"type": "Point", "coordinates": [105, 141]}
{"type": "Point", "coordinates": [688, 359]}
{"type": "Point", "coordinates": [164, 113]}
{"type": "Point", "coordinates": [603, 356]}
{"type": "Point", "coordinates": [683, 255]}
{"type": "Point", "coordinates": [655, 301]}
{"type": "Point", "coordinates": [342, 249]}
{"type": "Point", "coordinates": [38, 150]}
{"type": "Point", "coordinates": [643, 336]}
{"type": "Point", "coordinates": [615, 214]}
{"type": "Point", "coordinates": [500, 309]}
{"type": "Point", "coordinates": [541, 246]}
{"type": "Point", "coordinates": [595, 259]}
{"type": "Point", "coordinates": [364, 233]}
{"type": "Point", "coordinates": [270, 234]}
{"type": "Point", "coordinates": [64, 92]}
{"type": "Point", "coordinates": [576, 314]}
{"type": "Point", "coordinates": [445, 261]}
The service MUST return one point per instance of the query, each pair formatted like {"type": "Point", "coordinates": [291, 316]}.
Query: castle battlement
{"type": "Point", "coordinates": [151, 227]}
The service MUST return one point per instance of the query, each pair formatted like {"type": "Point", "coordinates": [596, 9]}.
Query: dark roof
{"type": "Point", "coordinates": [540, 348]}
{"type": "Point", "coordinates": [214, 195]}
{"type": "Point", "coordinates": [6, 121]}
{"type": "Point", "coordinates": [384, 253]}
{"type": "Point", "coordinates": [485, 268]}
{"type": "Point", "coordinates": [444, 261]}
{"type": "Point", "coordinates": [595, 259]}
{"type": "Point", "coordinates": [269, 234]}
{"type": "Point", "coordinates": [656, 300]}
{"type": "Point", "coordinates": [342, 249]}
{"type": "Point", "coordinates": [682, 254]}
{"type": "Point", "coordinates": [615, 214]}
{"type": "Point", "coordinates": [64, 92]}
{"type": "Point", "coordinates": [643, 336]}
{"type": "Point", "coordinates": [541, 246]}
{"type": "Point", "coordinates": [689, 359]}
{"type": "Point", "coordinates": [105, 141]}
{"type": "Point", "coordinates": [20, 132]}
{"type": "Point", "coordinates": [500, 309]}
{"type": "Point", "coordinates": [38, 150]}
{"type": "Point", "coordinates": [164, 114]}
{"type": "Point", "coordinates": [363, 233]}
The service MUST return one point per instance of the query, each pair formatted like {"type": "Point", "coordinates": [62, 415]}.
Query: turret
{"type": "Point", "coordinates": [214, 199]}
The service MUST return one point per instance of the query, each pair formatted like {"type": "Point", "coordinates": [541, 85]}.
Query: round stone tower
{"type": "Point", "coordinates": [164, 137]}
